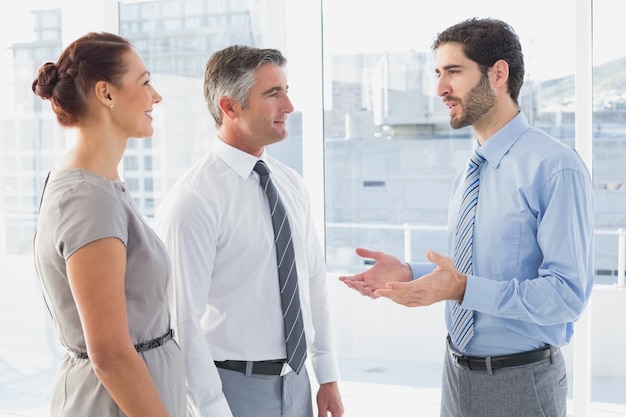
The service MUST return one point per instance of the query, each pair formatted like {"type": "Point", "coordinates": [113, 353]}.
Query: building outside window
{"type": "Point", "coordinates": [366, 111]}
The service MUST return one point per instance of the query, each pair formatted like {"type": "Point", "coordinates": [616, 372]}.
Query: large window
{"type": "Point", "coordinates": [609, 134]}
{"type": "Point", "coordinates": [390, 153]}
{"type": "Point", "coordinates": [362, 82]}
{"type": "Point", "coordinates": [175, 38]}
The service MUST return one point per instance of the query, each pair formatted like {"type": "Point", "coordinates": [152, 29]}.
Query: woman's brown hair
{"type": "Point", "coordinates": [91, 58]}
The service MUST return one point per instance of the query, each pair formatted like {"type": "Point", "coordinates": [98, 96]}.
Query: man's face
{"type": "Point", "coordinates": [264, 119]}
{"type": "Point", "coordinates": [465, 90]}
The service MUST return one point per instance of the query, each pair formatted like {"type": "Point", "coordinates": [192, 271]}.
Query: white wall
{"type": "Point", "coordinates": [608, 331]}
{"type": "Point", "coordinates": [382, 329]}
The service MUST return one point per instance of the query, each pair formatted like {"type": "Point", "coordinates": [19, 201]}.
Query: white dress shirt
{"type": "Point", "coordinates": [216, 224]}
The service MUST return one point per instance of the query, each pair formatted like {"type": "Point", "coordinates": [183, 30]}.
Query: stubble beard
{"type": "Point", "coordinates": [478, 101]}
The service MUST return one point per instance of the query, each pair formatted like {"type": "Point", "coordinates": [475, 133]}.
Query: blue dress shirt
{"type": "Point", "coordinates": [533, 242]}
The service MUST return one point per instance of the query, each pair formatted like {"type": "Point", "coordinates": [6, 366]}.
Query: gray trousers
{"type": "Point", "coordinates": [536, 390]}
{"type": "Point", "coordinates": [267, 395]}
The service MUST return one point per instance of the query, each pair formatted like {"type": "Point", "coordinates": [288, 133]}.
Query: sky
{"type": "Point", "coordinates": [546, 28]}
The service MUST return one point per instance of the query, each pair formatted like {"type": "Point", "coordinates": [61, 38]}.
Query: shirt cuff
{"type": "Point", "coordinates": [478, 292]}
{"type": "Point", "coordinates": [419, 269]}
{"type": "Point", "coordinates": [326, 368]}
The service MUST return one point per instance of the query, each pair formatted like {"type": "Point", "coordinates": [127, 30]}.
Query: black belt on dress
{"type": "Point", "coordinates": [278, 367]}
{"type": "Point", "coordinates": [498, 362]}
{"type": "Point", "coordinates": [139, 347]}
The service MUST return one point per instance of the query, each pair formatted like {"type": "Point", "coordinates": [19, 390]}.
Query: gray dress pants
{"type": "Point", "coordinates": [535, 390]}
{"type": "Point", "coordinates": [267, 395]}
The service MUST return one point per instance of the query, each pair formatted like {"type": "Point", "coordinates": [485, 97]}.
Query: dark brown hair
{"type": "Point", "coordinates": [67, 83]}
{"type": "Point", "coordinates": [486, 41]}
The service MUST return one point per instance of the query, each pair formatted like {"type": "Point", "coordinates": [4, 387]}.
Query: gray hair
{"type": "Point", "coordinates": [231, 71]}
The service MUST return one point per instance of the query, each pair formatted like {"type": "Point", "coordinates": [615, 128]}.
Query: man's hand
{"type": "Point", "coordinates": [329, 400]}
{"type": "Point", "coordinates": [387, 268]}
{"type": "Point", "coordinates": [444, 283]}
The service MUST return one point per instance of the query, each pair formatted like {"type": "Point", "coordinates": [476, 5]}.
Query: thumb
{"type": "Point", "coordinates": [442, 262]}
{"type": "Point", "coordinates": [434, 257]}
{"type": "Point", "coordinates": [365, 253]}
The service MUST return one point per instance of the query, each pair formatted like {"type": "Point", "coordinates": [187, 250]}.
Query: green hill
{"type": "Point", "coordinates": [609, 79]}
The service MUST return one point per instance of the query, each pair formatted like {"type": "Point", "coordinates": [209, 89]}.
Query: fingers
{"type": "Point", "coordinates": [396, 295]}
{"type": "Point", "coordinates": [360, 287]}
{"type": "Point", "coordinates": [357, 277]}
{"type": "Point", "coordinates": [336, 412]}
{"type": "Point", "coordinates": [364, 253]}
{"type": "Point", "coordinates": [391, 290]}
{"type": "Point", "coordinates": [395, 287]}
{"type": "Point", "coordinates": [355, 285]}
{"type": "Point", "coordinates": [403, 293]}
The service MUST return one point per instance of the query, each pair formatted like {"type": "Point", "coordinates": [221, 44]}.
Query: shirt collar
{"type": "Point", "coordinates": [499, 144]}
{"type": "Point", "coordinates": [239, 161]}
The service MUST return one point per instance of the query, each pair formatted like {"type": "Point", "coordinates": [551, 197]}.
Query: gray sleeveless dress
{"type": "Point", "coordinates": [79, 207]}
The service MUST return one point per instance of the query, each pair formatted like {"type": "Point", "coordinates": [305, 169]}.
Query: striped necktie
{"type": "Point", "coordinates": [463, 319]}
{"type": "Point", "coordinates": [287, 275]}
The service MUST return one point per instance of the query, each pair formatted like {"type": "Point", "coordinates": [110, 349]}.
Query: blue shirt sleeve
{"type": "Point", "coordinates": [559, 291]}
{"type": "Point", "coordinates": [420, 269]}
{"type": "Point", "coordinates": [532, 243]}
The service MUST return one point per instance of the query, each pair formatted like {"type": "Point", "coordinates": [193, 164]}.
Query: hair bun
{"type": "Point", "coordinates": [47, 78]}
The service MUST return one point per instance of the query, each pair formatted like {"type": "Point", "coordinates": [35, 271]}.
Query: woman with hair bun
{"type": "Point", "coordinates": [104, 273]}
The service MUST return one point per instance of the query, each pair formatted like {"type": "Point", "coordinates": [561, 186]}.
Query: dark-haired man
{"type": "Point", "coordinates": [520, 270]}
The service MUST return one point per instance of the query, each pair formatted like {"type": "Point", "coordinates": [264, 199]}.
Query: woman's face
{"type": "Point", "coordinates": [133, 102]}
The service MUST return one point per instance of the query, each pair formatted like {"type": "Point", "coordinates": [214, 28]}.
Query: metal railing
{"type": "Point", "coordinates": [621, 250]}
{"type": "Point", "coordinates": [408, 230]}
{"type": "Point", "coordinates": [582, 338]}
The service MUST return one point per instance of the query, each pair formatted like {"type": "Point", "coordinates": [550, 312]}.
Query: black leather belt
{"type": "Point", "coordinates": [498, 362]}
{"type": "Point", "coordinates": [278, 367]}
{"type": "Point", "coordinates": [139, 347]}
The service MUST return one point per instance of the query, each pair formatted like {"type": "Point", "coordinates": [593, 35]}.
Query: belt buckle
{"type": "Point", "coordinates": [455, 356]}
{"type": "Point", "coordinates": [458, 359]}
{"type": "Point", "coordinates": [286, 369]}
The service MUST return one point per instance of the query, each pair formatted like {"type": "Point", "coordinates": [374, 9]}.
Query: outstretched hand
{"type": "Point", "coordinates": [387, 268]}
{"type": "Point", "coordinates": [444, 283]}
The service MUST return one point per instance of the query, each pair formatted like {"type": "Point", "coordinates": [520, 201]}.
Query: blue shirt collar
{"type": "Point", "coordinates": [499, 144]}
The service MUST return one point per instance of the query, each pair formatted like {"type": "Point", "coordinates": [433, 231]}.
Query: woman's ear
{"type": "Point", "coordinates": [103, 94]}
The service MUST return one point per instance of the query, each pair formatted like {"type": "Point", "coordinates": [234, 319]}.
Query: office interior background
{"type": "Point", "coordinates": [370, 137]}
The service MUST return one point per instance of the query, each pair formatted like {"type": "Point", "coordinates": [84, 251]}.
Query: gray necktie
{"type": "Point", "coordinates": [287, 275]}
{"type": "Point", "coordinates": [463, 319]}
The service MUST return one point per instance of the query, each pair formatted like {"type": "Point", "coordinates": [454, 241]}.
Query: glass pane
{"type": "Point", "coordinates": [390, 158]}
{"type": "Point", "coordinates": [176, 39]}
{"type": "Point", "coordinates": [30, 135]}
{"type": "Point", "coordinates": [390, 153]}
{"type": "Point", "coordinates": [31, 143]}
{"type": "Point", "coordinates": [609, 169]}
{"type": "Point", "coordinates": [609, 132]}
